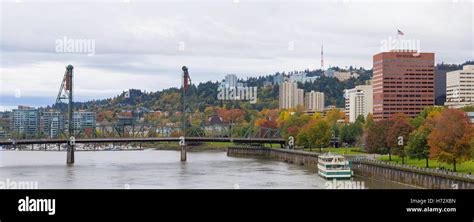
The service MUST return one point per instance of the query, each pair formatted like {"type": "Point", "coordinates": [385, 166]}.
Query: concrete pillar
{"type": "Point", "coordinates": [70, 154]}
{"type": "Point", "coordinates": [183, 153]}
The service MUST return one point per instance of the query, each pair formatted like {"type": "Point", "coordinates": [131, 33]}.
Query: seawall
{"type": "Point", "coordinates": [403, 174]}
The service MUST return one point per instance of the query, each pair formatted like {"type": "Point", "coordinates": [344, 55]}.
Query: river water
{"type": "Point", "coordinates": [157, 169]}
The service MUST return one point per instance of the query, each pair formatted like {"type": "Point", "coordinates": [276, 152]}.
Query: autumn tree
{"type": "Point", "coordinates": [399, 129]}
{"type": "Point", "coordinates": [317, 133]}
{"type": "Point", "coordinates": [293, 124]}
{"type": "Point", "coordinates": [450, 139]}
{"type": "Point", "coordinates": [375, 139]}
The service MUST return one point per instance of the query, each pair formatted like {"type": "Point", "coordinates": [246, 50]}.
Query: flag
{"type": "Point", "coordinates": [400, 32]}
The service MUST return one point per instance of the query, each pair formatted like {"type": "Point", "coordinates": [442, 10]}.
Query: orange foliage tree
{"type": "Point", "coordinates": [450, 139]}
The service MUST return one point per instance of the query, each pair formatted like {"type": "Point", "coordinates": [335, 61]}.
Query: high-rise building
{"type": "Point", "coordinates": [300, 97]}
{"type": "Point", "coordinates": [25, 120]}
{"type": "Point", "coordinates": [460, 87]}
{"type": "Point", "coordinates": [359, 101]}
{"type": "Point", "coordinates": [230, 80]}
{"type": "Point", "coordinates": [52, 123]}
{"type": "Point", "coordinates": [290, 96]}
{"type": "Point", "coordinates": [82, 120]}
{"type": "Point", "coordinates": [403, 82]}
{"type": "Point", "coordinates": [314, 101]}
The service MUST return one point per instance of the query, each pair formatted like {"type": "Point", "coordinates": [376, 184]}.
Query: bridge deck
{"type": "Point", "coordinates": [131, 140]}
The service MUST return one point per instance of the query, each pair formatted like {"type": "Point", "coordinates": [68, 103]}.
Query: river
{"type": "Point", "coordinates": [160, 169]}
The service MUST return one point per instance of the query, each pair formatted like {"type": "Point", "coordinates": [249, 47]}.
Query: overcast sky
{"type": "Point", "coordinates": [143, 44]}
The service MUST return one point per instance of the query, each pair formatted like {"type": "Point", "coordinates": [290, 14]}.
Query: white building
{"type": "Point", "coordinates": [342, 76]}
{"type": "Point", "coordinates": [471, 116]}
{"type": "Point", "coordinates": [298, 77]}
{"type": "Point", "coordinates": [82, 120]}
{"type": "Point", "coordinates": [460, 87]}
{"type": "Point", "coordinates": [359, 101]}
{"type": "Point", "coordinates": [314, 101]}
{"type": "Point", "coordinates": [52, 123]}
{"type": "Point", "coordinates": [290, 96]}
{"type": "Point", "coordinates": [230, 80]}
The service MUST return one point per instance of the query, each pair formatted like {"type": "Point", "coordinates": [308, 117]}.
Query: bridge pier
{"type": "Point", "coordinates": [183, 153]}
{"type": "Point", "coordinates": [70, 154]}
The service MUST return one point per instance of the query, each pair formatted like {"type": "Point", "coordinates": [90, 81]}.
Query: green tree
{"type": "Point", "coordinates": [417, 145]}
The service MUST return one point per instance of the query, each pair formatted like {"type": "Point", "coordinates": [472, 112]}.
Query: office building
{"type": "Point", "coordinates": [460, 87]}
{"type": "Point", "coordinates": [403, 82]}
{"type": "Point", "coordinates": [359, 101]}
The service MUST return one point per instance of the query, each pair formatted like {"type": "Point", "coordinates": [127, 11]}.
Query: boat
{"type": "Point", "coordinates": [334, 166]}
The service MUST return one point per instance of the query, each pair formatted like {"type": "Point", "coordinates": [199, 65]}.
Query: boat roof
{"type": "Point", "coordinates": [330, 155]}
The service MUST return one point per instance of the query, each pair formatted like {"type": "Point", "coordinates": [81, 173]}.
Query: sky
{"type": "Point", "coordinates": [116, 45]}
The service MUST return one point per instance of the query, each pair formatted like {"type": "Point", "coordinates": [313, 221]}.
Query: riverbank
{"type": "Point", "coordinates": [365, 167]}
{"type": "Point", "coordinates": [465, 167]}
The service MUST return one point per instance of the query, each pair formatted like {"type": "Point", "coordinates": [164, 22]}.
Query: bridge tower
{"type": "Point", "coordinates": [65, 92]}
{"type": "Point", "coordinates": [186, 83]}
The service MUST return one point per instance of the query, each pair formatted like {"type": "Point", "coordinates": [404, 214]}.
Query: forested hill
{"type": "Point", "coordinates": [205, 94]}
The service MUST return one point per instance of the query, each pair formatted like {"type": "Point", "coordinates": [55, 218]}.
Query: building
{"type": "Point", "coordinates": [52, 123]}
{"type": "Point", "coordinates": [342, 76]}
{"type": "Point", "coordinates": [278, 79]}
{"type": "Point", "coordinates": [329, 73]}
{"type": "Point", "coordinates": [460, 87]}
{"type": "Point", "coordinates": [471, 116]}
{"type": "Point", "coordinates": [25, 121]}
{"type": "Point", "coordinates": [302, 78]}
{"type": "Point", "coordinates": [298, 77]}
{"type": "Point", "coordinates": [359, 101]}
{"type": "Point", "coordinates": [403, 82]}
{"type": "Point", "coordinates": [230, 80]}
{"type": "Point", "coordinates": [310, 79]}
{"type": "Point", "coordinates": [290, 96]}
{"type": "Point", "coordinates": [82, 120]}
{"type": "Point", "coordinates": [314, 101]}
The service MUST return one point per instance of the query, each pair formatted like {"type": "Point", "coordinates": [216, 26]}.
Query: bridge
{"type": "Point", "coordinates": [144, 140]}
{"type": "Point", "coordinates": [146, 134]}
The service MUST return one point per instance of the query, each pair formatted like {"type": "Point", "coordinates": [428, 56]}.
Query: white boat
{"type": "Point", "coordinates": [334, 166]}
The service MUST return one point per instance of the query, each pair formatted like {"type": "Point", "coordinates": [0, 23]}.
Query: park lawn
{"type": "Point", "coordinates": [341, 151]}
{"type": "Point", "coordinates": [465, 167]}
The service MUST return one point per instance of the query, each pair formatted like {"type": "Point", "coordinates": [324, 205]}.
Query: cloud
{"type": "Point", "coordinates": [143, 44]}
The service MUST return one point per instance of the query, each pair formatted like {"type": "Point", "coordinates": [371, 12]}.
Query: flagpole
{"type": "Point", "coordinates": [398, 42]}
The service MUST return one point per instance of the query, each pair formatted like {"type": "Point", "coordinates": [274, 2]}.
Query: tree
{"type": "Point", "coordinates": [350, 133]}
{"type": "Point", "coordinates": [417, 145]}
{"type": "Point", "coordinates": [450, 139]}
{"type": "Point", "coordinates": [333, 116]}
{"type": "Point", "coordinates": [319, 133]}
{"type": "Point", "coordinates": [293, 124]}
{"type": "Point", "coordinates": [375, 139]}
{"type": "Point", "coordinates": [316, 133]}
{"type": "Point", "coordinates": [400, 128]}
